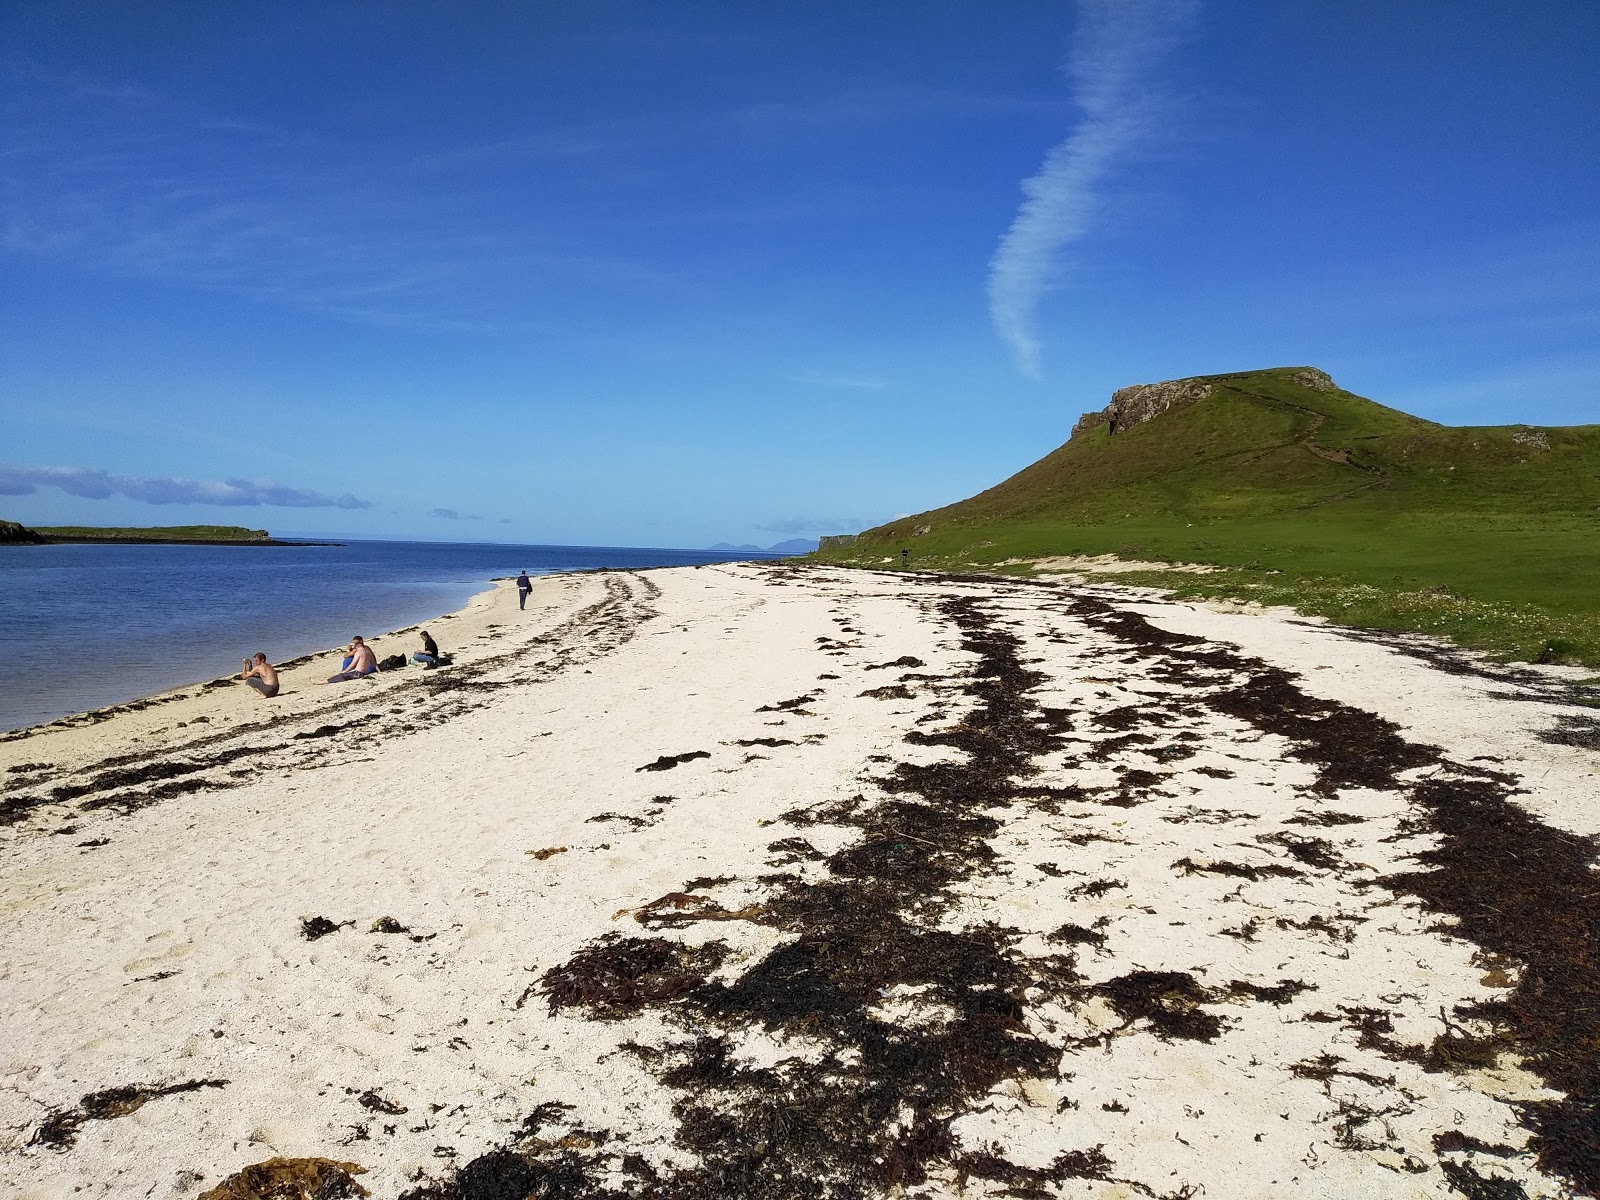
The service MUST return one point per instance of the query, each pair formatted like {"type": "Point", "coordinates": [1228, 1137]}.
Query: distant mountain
{"type": "Point", "coordinates": [792, 546]}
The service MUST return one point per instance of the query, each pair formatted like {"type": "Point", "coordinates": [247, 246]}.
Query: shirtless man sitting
{"type": "Point", "coordinates": [261, 675]}
{"type": "Point", "coordinates": [362, 662]}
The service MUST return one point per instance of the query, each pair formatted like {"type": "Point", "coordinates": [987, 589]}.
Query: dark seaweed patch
{"type": "Point", "coordinates": [796, 704]}
{"type": "Point", "coordinates": [375, 1101]}
{"type": "Point", "coordinates": [873, 1111]}
{"type": "Point", "coordinates": [1077, 935]}
{"type": "Point", "coordinates": [1279, 993]}
{"type": "Point", "coordinates": [667, 761]}
{"type": "Point", "coordinates": [1466, 1180]}
{"type": "Point", "coordinates": [1526, 891]}
{"type": "Point", "coordinates": [892, 691]}
{"type": "Point", "coordinates": [1324, 817]}
{"type": "Point", "coordinates": [312, 928]}
{"type": "Point", "coordinates": [618, 976]}
{"type": "Point", "coordinates": [1517, 888]}
{"type": "Point", "coordinates": [1314, 852]}
{"type": "Point", "coordinates": [1453, 1140]}
{"type": "Point", "coordinates": [1188, 866]}
{"type": "Point", "coordinates": [59, 1130]}
{"type": "Point", "coordinates": [1168, 1000]}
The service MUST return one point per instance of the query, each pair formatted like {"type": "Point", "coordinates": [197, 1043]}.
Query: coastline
{"type": "Point", "coordinates": [297, 675]}
{"type": "Point", "coordinates": [48, 539]}
{"type": "Point", "coordinates": [383, 923]}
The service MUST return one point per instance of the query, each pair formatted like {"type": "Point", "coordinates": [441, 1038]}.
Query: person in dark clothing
{"type": "Point", "coordinates": [524, 586]}
{"type": "Point", "coordinates": [429, 655]}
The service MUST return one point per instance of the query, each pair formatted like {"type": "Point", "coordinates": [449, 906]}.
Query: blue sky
{"type": "Point", "coordinates": [661, 273]}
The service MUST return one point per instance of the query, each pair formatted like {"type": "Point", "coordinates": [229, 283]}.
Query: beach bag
{"type": "Point", "coordinates": [393, 663]}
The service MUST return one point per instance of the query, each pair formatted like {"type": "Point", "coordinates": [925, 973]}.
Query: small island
{"type": "Point", "coordinates": [13, 534]}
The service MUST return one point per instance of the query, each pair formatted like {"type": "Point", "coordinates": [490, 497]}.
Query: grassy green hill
{"type": "Point", "coordinates": [1311, 495]}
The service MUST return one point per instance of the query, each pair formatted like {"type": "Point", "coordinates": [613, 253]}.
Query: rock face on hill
{"type": "Point", "coordinates": [1134, 405]}
{"type": "Point", "coordinates": [19, 535]}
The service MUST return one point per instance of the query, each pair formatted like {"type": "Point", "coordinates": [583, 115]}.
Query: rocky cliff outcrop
{"type": "Point", "coordinates": [1134, 405]}
{"type": "Point", "coordinates": [13, 534]}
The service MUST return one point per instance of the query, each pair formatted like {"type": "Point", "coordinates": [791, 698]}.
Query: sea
{"type": "Point", "coordinates": [83, 627]}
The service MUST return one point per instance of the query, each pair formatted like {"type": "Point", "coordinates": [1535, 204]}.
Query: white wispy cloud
{"type": "Point", "coordinates": [1116, 46]}
{"type": "Point", "coordinates": [95, 484]}
{"type": "Point", "coordinates": [451, 514]}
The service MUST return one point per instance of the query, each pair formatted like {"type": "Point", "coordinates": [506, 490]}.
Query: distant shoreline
{"type": "Point", "coordinates": [14, 534]}
{"type": "Point", "coordinates": [51, 540]}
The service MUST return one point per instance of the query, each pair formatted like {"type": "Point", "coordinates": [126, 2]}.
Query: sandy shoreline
{"type": "Point", "coordinates": [781, 880]}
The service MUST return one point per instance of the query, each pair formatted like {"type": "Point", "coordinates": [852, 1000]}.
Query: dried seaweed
{"type": "Point", "coordinates": [1314, 852]}
{"type": "Point", "coordinates": [892, 691]}
{"type": "Point", "coordinates": [617, 976]}
{"type": "Point", "coordinates": [312, 928]}
{"type": "Point", "coordinates": [292, 1179]}
{"type": "Point", "coordinates": [375, 1101]}
{"type": "Point", "coordinates": [667, 761]}
{"type": "Point", "coordinates": [834, 1127]}
{"type": "Point", "coordinates": [796, 704]}
{"type": "Point", "coordinates": [1279, 993]}
{"type": "Point", "coordinates": [1516, 887]}
{"type": "Point", "coordinates": [1168, 1000]}
{"type": "Point", "coordinates": [59, 1130]}
{"type": "Point", "coordinates": [1188, 866]}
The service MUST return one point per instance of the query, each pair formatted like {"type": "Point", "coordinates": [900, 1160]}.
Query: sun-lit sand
{"type": "Point", "coordinates": [766, 880]}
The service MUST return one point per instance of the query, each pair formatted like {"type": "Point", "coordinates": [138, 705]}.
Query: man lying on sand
{"type": "Point", "coordinates": [361, 662]}
{"type": "Point", "coordinates": [261, 675]}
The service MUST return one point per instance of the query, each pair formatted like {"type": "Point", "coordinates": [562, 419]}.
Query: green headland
{"type": "Point", "coordinates": [211, 535]}
{"type": "Point", "coordinates": [1302, 493]}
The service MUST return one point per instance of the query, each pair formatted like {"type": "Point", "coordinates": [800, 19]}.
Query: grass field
{"type": "Point", "coordinates": [1487, 535]}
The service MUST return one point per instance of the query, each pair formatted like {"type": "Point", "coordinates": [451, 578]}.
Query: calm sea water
{"type": "Point", "coordinates": [86, 626]}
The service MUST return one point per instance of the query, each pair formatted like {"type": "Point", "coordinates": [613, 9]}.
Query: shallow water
{"type": "Point", "coordinates": [86, 626]}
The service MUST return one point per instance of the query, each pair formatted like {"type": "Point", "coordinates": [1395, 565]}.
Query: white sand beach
{"type": "Point", "coordinates": [783, 880]}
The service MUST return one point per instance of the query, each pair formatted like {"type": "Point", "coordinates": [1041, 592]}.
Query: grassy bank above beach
{"type": "Point", "coordinates": [1513, 587]}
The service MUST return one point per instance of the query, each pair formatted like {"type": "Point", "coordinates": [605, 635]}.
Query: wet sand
{"type": "Point", "coordinates": [775, 881]}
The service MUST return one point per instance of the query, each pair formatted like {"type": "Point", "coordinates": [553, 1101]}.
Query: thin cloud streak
{"type": "Point", "coordinates": [95, 484]}
{"type": "Point", "coordinates": [856, 383]}
{"type": "Point", "coordinates": [1118, 43]}
{"type": "Point", "coordinates": [796, 525]}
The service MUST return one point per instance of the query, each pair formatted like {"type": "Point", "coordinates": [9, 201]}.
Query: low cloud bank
{"type": "Point", "coordinates": [95, 484]}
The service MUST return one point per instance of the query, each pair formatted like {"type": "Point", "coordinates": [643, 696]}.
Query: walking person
{"type": "Point", "coordinates": [524, 586]}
